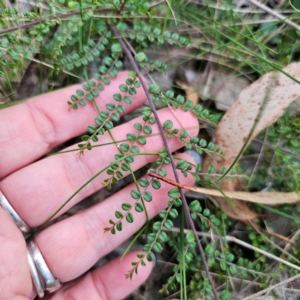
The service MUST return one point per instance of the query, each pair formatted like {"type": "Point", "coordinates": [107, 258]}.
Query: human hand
{"type": "Point", "coordinates": [35, 189]}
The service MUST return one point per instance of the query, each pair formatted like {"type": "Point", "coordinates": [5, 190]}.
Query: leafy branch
{"type": "Point", "coordinates": [190, 221]}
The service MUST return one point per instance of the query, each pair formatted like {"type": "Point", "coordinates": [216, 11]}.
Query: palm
{"type": "Point", "coordinates": [36, 189]}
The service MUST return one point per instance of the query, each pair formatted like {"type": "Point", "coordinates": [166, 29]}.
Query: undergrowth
{"type": "Point", "coordinates": [90, 42]}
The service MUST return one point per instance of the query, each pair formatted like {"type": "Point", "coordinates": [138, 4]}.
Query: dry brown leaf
{"type": "Point", "coordinates": [269, 198]}
{"type": "Point", "coordinates": [237, 209]}
{"type": "Point", "coordinates": [268, 97]}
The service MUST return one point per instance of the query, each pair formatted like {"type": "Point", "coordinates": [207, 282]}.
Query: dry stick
{"type": "Point", "coordinates": [274, 14]}
{"type": "Point", "coordinates": [161, 129]}
{"type": "Point", "coordinates": [233, 239]}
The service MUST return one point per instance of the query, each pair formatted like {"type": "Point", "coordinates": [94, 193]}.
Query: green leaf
{"type": "Point", "coordinates": [95, 138]}
{"type": "Point", "coordinates": [116, 47]}
{"type": "Point", "coordinates": [151, 237]}
{"type": "Point", "coordinates": [137, 84]}
{"type": "Point", "coordinates": [156, 226]}
{"type": "Point", "coordinates": [148, 129]}
{"type": "Point", "coordinates": [125, 167]}
{"type": "Point", "coordinates": [184, 134]}
{"type": "Point", "coordinates": [135, 194]}
{"type": "Point", "coordinates": [124, 147]}
{"type": "Point", "coordinates": [202, 143]}
{"type": "Point", "coordinates": [144, 182]}
{"type": "Point", "coordinates": [132, 91]}
{"type": "Point", "coordinates": [157, 247]}
{"type": "Point", "coordinates": [154, 88]}
{"type": "Point", "coordinates": [168, 224]}
{"type": "Point", "coordinates": [163, 237]}
{"type": "Point", "coordinates": [141, 139]}
{"type": "Point", "coordinates": [80, 92]}
{"type": "Point", "coordinates": [156, 184]}
{"type": "Point", "coordinates": [115, 117]}
{"type": "Point", "coordinates": [135, 149]}
{"type": "Point", "coordinates": [140, 57]}
{"type": "Point", "coordinates": [223, 265]}
{"type": "Point", "coordinates": [168, 124]}
{"type": "Point", "coordinates": [128, 99]}
{"type": "Point", "coordinates": [173, 213]}
{"type": "Point", "coordinates": [123, 88]}
{"type": "Point", "coordinates": [106, 80]}
{"type": "Point", "coordinates": [173, 193]}
{"type": "Point", "coordinates": [129, 218]}
{"type": "Point", "coordinates": [139, 207]}
{"type": "Point", "coordinates": [110, 106]}
{"type": "Point", "coordinates": [119, 226]}
{"type": "Point", "coordinates": [195, 206]}
{"type": "Point", "coordinates": [163, 214]}
{"type": "Point", "coordinates": [131, 137]}
{"type": "Point", "coordinates": [118, 214]}
{"type": "Point", "coordinates": [92, 129]}
{"type": "Point", "coordinates": [206, 212]}
{"type": "Point", "coordinates": [121, 26]}
{"type": "Point", "coordinates": [126, 206]}
{"type": "Point", "coordinates": [233, 269]}
{"type": "Point", "coordinates": [85, 138]}
{"type": "Point", "coordinates": [121, 109]}
{"type": "Point", "coordinates": [117, 97]}
{"type": "Point", "coordinates": [163, 153]}
{"type": "Point", "coordinates": [209, 250]}
{"type": "Point", "coordinates": [138, 126]}
{"type": "Point", "coordinates": [162, 172]}
{"type": "Point", "coordinates": [147, 196]}
{"type": "Point", "coordinates": [182, 164]}
{"type": "Point", "coordinates": [109, 125]}
{"type": "Point", "coordinates": [190, 238]}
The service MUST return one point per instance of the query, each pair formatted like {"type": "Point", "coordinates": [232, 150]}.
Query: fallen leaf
{"type": "Point", "coordinates": [226, 200]}
{"type": "Point", "coordinates": [268, 97]}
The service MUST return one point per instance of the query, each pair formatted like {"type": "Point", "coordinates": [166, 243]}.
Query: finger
{"type": "Point", "coordinates": [81, 238]}
{"type": "Point", "coordinates": [14, 272]}
{"type": "Point", "coordinates": [107, 282]}
{"type": "Point", "coordinates": [48, 183]}
{"type": "Point", "coordinates": [31, 129]}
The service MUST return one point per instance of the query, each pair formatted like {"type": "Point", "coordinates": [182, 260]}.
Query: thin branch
{"type": "Point", "coordinates": [62, 16]}
{"type": "Point", "coordinates": [275, 14]}
{"type": "Point", "coordinates": [161, 129]}
{"type": "Point", "coordinates": [232, 239]}
{"type": "Point", "coordinates": [55, 17]}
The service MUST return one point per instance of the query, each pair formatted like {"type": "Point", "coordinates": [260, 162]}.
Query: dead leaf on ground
{"type": "Point", "coordinates": [268, 97]}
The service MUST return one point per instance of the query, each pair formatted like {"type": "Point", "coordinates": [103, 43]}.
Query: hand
{"type": "Point", "coordinates": [36, 189]}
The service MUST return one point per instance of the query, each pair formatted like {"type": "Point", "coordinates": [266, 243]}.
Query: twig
{"type": "Point", "coordinates": [41, 20]}
{"type": "Point", "coordinates": [272, 287]}
{"type": "Point", "coordinates": [246, 245]}
{"type": "Point", "coordinates": [62, 16]}
{"type": "Point", "coordinates": [274, 14]}
{"type": "Point", "coordinates": [161, 129]}
{"type": "Point", "coordinates": [242, 243]}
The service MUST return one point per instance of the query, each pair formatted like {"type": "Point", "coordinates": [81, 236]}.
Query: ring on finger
{"type": "Point", "coordinates": [45, 278]}
{"type": "Point", "coordinates": [10, 210]}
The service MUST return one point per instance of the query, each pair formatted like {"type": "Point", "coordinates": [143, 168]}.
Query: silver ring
{"type": "Point", "coordinates": [35, 276]}
{"type": "Point", "coordinates": [10, 210]}
{"type": "Point", "coordinates": [50, 283]}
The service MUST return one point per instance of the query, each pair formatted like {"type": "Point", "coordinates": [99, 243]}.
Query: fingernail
{"type": "Point", "coordinates": [153, 258]}
{"type": "Point", "coordinates": [195, 156]}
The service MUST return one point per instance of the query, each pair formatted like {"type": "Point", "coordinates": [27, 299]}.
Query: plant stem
{"type": "Point", "coordinates": [275, 14]}
{"type": "Point", "coordinates": [161, 129]}
{"type": "Point", "coordinates": [86, 183]}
